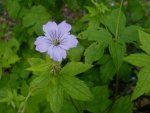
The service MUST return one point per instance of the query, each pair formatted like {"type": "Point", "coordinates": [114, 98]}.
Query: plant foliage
{"type": "Point", "coordinates": [108, 71]}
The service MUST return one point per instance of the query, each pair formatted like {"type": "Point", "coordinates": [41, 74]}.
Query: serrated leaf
{"type": "Point", "coordinates": [35, 61]}
{"type": "Point", "coordinates": [39, 66]}
{"type": "Point", "coordinates": [9, 57]}
{"type": "Point", "coordinates": [76, 88]}
{"type": "Point", "coordinates": [117, 51]}
{"type": "Point", "coordinates": [101, 100]}
{"type": "Point", "coordinates": [40, 16]}
{"type": "Point", "coordinates": [75, 54]}
{"type": "Point", "coordinates": [8, 51]}
{"type": "Point", "coordinates": [122, 105]}
{"type": "Point", "coordinates": [145, 41]}
{"type": "Point", "coordinates": [20, 70]}
{"type": "Point", "coordinates": [94, 52]}
{"type": "Point", "coordinates": [55, 97]}
{"type": "Point", "coordinates": [91, 31]}
{"type": "Point", "coordinates": [138, 59]}
{"type": "Point", "coordinates": [130, 34]}
{"type": "Point", "coordinates": [91, 10]}
{"type": "Point", "coordinates": [12, 44]}
{"type": "Point", "coordinates": [74, 68]}
{"type": "Point", "coordinates": [39, 83]}
{"type": "Point", "coordinates": [96, 33]}
{"type": "Point", "coordinates": [113, 20]}
{"type": "Point", "coordinates": [33, 102]}
{"type": "Point", "coordinates": [143, 83]}
{"type": "Point", "coordinates": [101, 35]}
{"type": "Point", "coordinates": [107, 71]}
{"type": "Point", "coordinates": [13, 12]}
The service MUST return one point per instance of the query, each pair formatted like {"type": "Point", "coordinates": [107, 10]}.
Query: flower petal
{"type": "Point", "coordinates": [57, 53]}
{"type": "Point", "coordinates": [64, 27]}
{"type": "Point", "coordinates": [68, 42]}
{"type": "Point", "coordinates": [42, 44]}
{"type": "Point", "coordinates": [50, 29]}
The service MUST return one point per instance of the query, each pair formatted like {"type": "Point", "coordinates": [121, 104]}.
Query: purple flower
{"type": "Point", "coordinates": [56, 41]}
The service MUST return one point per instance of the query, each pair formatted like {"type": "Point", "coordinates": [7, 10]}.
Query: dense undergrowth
{"type": "Point", "coordinates": [108, 71]}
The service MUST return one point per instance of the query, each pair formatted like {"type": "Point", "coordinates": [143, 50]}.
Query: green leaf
{"type": "Point", "coordinates": [68, 107]}
{"type": "Point", "coordinates": [96, 33]}
{"type": "Point", "coordinates": [122, 105]}
{"type": "Point", "coordinates": [33, 102]}
{"type": "Point", "coordinates": [143, 83]}
{"type": "Point", "coordinates": [141, 60]}
{"type": "Point", "coordinates": [74, 68]}
{"type": "Point", "coordinates": [91, 10]}
{"type": "Point", "coordinates": [20, 70]}
{"type": "Point", "coordinates": [117, 51]}
{"type": "Point", "coordinates": [40, 16]}
{"type": "Point", "coordinates": [35, 61]}
{"type": "Point", "coordinates": [75, 54]}
{"type": "Point", "coordinates": [39, 66]}
{"type": "Point", "coordinates": [88, 75]}
{"type": "Point", "coordinates": [9, 57]}
{"type": "Point", "coordinates": [130, 34]}
{"type": "Point", "coordinates": [76, 88]}
{"type": "Point", "coordinates": [92, 30]}
{"type": "Point", "coordinates": [145, 41]}
{"type": "Point", "coordinates": [39, 83]}
{"type": "Point", "coordinates": [1, 71]}
{"type": "Point", "coordinates": [107, 71]}
{"type": "Point", "coordinates": [101, 100]}
{"type": "Point", "coordinates": [138, 59]}
{"type": "Point", "coordinates": [8, 51]}
{"type": "Point", "coordinates": [55, 97]}
{"type": "Point", "coordinates": [125, 72]}
{"type": "Point", "coordinates": [101, 35]}
{"type": "Point", "coordinates": [112, 21]}
{"type": "Point", "coordinates": [104, 59]}
{"type": "Point", "coordinates": [94, 52]}
{"type": "Point", "coordinates": [136, 10]}
{"type": "Point", "coordinates": [13, 8]}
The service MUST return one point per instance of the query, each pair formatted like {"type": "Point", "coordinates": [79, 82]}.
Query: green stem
{"type": "Point", "coordinates": [118, 20]}
{"type": "Point", "coordinates": [116, 37]}
{"type": "Point", "coordinates": [22, 108]}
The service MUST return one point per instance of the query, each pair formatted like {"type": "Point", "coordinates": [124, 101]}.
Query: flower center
{"type": "Point", "coordinates": [56, 42]}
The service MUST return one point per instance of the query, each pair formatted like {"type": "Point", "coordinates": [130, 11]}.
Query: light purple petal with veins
{"type": "Point", "coordinates": [50, 29]}
{"type": "Point", "coordinates": [42, 44]}
{"type": "Point", "coordinates": [56, 41]}
{"type": "Point", "coordinates": [69, 42]}
{"type": "Point", "coordinates": [63, 27]}
{"type": "Point", "coordinates": [57, 53]}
